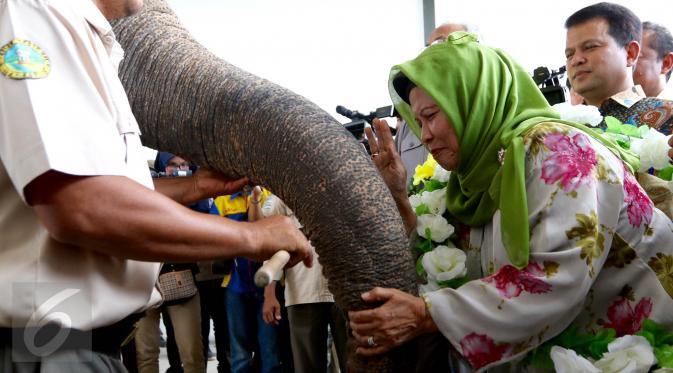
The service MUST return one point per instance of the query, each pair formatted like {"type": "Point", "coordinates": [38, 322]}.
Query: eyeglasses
{"type": "Point", "coordinates": [178, 165]}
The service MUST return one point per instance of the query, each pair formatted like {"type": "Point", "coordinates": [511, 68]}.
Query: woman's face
{"type": "Point", "coordinates": [436, 131]}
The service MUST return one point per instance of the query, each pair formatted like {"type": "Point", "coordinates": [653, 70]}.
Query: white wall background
{"type": "Point", "coordinates": [340, 52]}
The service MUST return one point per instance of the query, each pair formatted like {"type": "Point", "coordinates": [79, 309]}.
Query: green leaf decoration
{"type": "Point", "coordinates": [540, 358]}
{"type": "Point", "coordinates": [661, 339]}
{"type": "Point", "coordinates": [643, 130]}
{"type": "Point", "coordinates": [664, 356]}
{"type": "Point", "coordinates": [422, 209]}
{"type": "Point", "coordinates": [666, 173]}
{"type": "Point", "coordinates": [592, 345]}
{"type": "Point", "coordinates": [419, 267]}
{"type": "Point", "coordinates": [432, 185]}
{"type": "Point", "coordinates": [454, 283]}
{"type": "Point", "coordinates": [424, 246]}
{"type": "Point", "coordinates": [595, 345]}
{"type": "Point", "coordinates": [625, 144]}
{"type": "Point", "coordinates": [615, 126]}
{"type": "Point", "coordinates": [660, 335]}
{"type": "Point", "coordinates": [631, 131]}
{"type": "Point", "coordinates": [428, 233]}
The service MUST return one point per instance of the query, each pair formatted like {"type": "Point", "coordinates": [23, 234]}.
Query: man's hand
{"type": "Point", "coordinates": [212, 183]}
{"type": "Point", "coordinates": [271, 308]}
{"type": "Point", "coordinates": [386, 158]}
{"type": "Point", "coordinates": [205, 183]}
{"type": "Point", "coordinates": [279, 233]}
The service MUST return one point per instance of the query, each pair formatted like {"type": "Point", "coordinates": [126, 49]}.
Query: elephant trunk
{"type": "Point", "coordinates": [189, 102]}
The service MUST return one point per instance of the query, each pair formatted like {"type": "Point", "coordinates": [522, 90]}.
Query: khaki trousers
{"type": "Point", "coordinates": [186, 319]}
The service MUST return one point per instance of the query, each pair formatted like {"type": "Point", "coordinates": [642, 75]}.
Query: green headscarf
{"type": "Point", "coordinates": [491, 102]}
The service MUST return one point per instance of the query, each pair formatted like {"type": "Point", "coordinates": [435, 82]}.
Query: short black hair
{"type": "Point", "coordinates": [662, 41]}
{"type": "Point", "coordinates": [623, 25]}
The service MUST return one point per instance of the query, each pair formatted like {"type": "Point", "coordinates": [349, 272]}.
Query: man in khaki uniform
{"type": "Point", "coordinates": [80, 223]}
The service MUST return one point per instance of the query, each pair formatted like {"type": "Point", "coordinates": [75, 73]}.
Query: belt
{"type": "Point", "coordinates": [108, 339]}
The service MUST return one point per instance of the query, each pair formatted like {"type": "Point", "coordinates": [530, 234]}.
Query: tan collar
{"type": "Point", "coordinates": [630, 96]}
{"type": "Point", "coordinates": [102, 27]}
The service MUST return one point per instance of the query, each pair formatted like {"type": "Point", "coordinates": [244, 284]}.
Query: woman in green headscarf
{"type": "Point", "coordinates": [553, 208]}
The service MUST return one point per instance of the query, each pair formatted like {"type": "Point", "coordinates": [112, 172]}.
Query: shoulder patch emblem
{"type": "Point", "coordinates": [23, 59]}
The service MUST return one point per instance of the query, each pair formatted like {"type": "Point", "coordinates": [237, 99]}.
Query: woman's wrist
{"type": "Point", "coordinates": [427, 323]}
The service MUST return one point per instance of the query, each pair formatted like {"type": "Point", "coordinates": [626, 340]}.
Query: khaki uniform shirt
{"type": "Point", "coordinates": [302, 284]}
{"type": "Point", "coordinates": [75, 120]}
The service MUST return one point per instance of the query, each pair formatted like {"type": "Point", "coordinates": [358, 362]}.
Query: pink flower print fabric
{"type": "Point", "coordinates": [511, 282]}
{"type": "Point", "coordinates": [480, 349]}
{"type": "Point", "coordinates": [625, 319]}
{"type": "Point", "coordinates": [571, 160]}
{"type": "Point", "coordinates": [639, 205]}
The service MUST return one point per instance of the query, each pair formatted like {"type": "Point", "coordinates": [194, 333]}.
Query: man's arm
{"type": "Point", "coordinates": [119, 217]}
{"type": "Point", "coordinates": [203, 184]}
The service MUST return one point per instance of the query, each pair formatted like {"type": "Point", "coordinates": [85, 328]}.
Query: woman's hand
{"type": "Point", "coordinates": [391, 169]}
{"type": "Point", "coordinates": [401, 318]}
{"type": "Point", "coordinates": [386, 158]}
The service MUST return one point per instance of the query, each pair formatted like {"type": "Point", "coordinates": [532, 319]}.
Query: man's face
{"type": "Point", "coordinates": [648, 69]}
{"type": "Point", "coordinates": [597, 66]}
{"type": "Point", "coordinates": [442, 32]}
{"type": "Point", "coordinates": [176, 164]}
{"type": "Point", "coordinates": [115, 9]}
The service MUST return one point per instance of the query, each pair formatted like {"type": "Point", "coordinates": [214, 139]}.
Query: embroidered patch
{"type": "Point", "coordinates": [23, 59]}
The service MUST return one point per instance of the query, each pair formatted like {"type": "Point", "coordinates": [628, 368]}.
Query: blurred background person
{"type": "Point", "coordinates": [655, 61]}
{"type": "Point", "coordinates": [311, 310]}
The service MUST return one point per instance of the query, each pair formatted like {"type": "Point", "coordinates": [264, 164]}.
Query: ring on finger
{"type": "Point", "coordinates": [371, 342]}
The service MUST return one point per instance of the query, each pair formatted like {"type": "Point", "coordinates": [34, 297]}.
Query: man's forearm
{"type": "Point", "coordinates": [180, 189]}
{"type": "Point", "coordinates": [119, 217]}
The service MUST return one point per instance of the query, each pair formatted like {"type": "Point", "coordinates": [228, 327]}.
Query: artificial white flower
{"type": "Point", "coordinates": [426, 288]}
{"type": "Point", "coordinates": [415, 200]}
{"type": "Point", "coordinates": [567, 361]}
{"type": "Point", "coordinates": [584, 114]}
{"type": "Point", "coordinates": [435, 200]}
{"type": "Point", "coordinates": [440, 229]}
{"type": "Point", "coordinates": [652, 150]}
{"type": "Point", "coordinates": [630, 353]}
{"type": "Point", "coordinates": [441, 174]}
{"type": "Point", "coordinates": [444, 263]}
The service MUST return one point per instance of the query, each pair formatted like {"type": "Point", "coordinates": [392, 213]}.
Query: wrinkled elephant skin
{"type": "Point", "coordinates": [192, 103]}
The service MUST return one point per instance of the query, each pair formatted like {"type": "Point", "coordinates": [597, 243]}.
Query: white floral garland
{"type": "Point", "coordinates": [444, 262]}
{"type": "Point", "coordinates": [650, 145]}
{"type": "Point", "coordinates": [630, 353]}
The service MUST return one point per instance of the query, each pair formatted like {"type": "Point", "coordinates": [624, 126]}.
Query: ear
{"type": "Point", "coordinates": [667, 63]}
{"type": "Point", "coordinates": [632, 52]}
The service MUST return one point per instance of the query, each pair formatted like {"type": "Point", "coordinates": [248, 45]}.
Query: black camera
{"type": "Point", "coordinates": [548, 82]}
{"type": "Point", "coordinates": [358, 120]}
